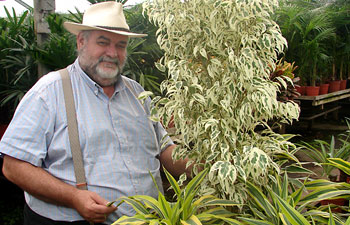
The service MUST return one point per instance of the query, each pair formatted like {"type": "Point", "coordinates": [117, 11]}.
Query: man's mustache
{"type": "Point", "coordinates": [109, 59]}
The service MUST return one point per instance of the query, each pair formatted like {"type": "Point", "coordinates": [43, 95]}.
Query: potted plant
{"type": "Point", "coordinates": [316, 44]}
{"type": "Point", "coordinates": [185, 210]}
{"type": "Point", "coordinates": [308, 28]}
{"type": "Point", "coordinates": [283, 75]}
{"type": "Point", "coordinates": [324, 88]}
{"type": "Point", "coordinates": [287, 201]}
{"type": "Point", "coordinates": [218, 90]}
{"type": "Point", "coordinates": [340, 48]}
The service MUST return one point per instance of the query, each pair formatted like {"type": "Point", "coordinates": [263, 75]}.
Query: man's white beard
{"type": "Point", "coordinates": [109, 74]}
{"type": "Point", "coordinates": [96, 72]}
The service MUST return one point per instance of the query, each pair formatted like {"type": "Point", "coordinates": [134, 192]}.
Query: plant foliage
{"type": "Point", "coordinates": [17, 58]}
{"type": "Point", "coordinates": [186, 210]}
{"type": "Point", "coordinates": [318, 37]}
{"type": "Point", "coordinates": [219, 56]}
{"type": "Point", "coordinates": [321, 151]}
{"type": "Point", "coordinates": [287, 202]}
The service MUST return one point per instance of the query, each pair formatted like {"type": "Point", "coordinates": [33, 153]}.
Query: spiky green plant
{"type": "Point", "coordinates": [321, 151]}
{"type": "Point", "coordinates": [287, 202]}
{"type": "Point", "coordinates": [186, 210]}
{"type": "Point", "coordinates": [17, 58]}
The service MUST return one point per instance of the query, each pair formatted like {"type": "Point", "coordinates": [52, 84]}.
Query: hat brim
{"type": "Point", "coordinates": [75, 28]}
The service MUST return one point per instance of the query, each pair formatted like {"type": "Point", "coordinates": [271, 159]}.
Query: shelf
{"type": "Point", "coordinates": [326, 98]}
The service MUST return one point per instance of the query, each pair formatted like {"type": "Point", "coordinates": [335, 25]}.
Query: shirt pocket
{"type": "Point", "coordinates": [146, 136]}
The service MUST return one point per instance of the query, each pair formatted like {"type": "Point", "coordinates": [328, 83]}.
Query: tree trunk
{"type": "Point", "coordinates": [314, 75]}
{"type": "Point", "coordinates": [333, 70]}
{"type": "Point", "coordinates": [42, 8]}
{"type": "Point", "coordinates": [341, 68]}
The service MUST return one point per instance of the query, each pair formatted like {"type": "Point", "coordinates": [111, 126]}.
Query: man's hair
{"type": "Point", "coordinates": [86, 34]}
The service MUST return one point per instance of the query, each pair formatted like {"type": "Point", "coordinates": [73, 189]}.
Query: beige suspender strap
{"type": "Point", "coordinates": [73, 130]}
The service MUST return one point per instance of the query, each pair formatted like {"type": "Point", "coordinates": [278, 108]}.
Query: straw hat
{"type": "Point", "coordinates": [106, 16]}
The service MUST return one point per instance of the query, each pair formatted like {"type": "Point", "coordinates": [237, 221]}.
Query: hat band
{"type": "Point", "coordinates": [114, 28]}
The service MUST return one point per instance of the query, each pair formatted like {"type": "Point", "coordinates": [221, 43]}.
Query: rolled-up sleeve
{"type": "Point", "coordinates": [162, 135]}
{"type": "Point", "coordinates": [28, 135]}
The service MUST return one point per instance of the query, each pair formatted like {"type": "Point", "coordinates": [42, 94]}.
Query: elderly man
{"type": "Point", "coordinates": [119, 144]}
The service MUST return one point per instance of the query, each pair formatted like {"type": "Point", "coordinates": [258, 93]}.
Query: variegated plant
{"type": "Point", "coordinates": [288, 202]}
{"type": "Point", "coordinates": [186, 210]}
{"type": "Point", "coordinates": [219, 55]}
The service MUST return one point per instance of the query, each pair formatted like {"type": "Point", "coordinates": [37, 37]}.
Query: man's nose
{"type": "Point", "coordinates": [111, 52]}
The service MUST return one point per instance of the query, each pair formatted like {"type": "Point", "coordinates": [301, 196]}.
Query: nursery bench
{"type": "Point", "coordinates": [326, 98]}
{"type": "Point", "coordinates": [313, 107]}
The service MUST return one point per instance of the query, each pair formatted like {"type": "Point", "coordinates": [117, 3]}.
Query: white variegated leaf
{"type": "Point", "coordinates": [218, 87]}
{"type": "Point", "coordinates": [144, 95]}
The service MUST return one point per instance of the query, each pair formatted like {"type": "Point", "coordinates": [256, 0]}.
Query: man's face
{"type": "Point", "coordinates": [102, 55]}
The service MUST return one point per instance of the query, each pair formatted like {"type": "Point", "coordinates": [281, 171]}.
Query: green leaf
{"type": "Point", "coordinates": [210, 200]}
{"type": "Point", "coordinates": [285, 186]}
{"type": "Point", "coordinates": [228, 220]}
{"type": "Point", "coordinates": [137, 220]}
{"type": "Point", "coordinates": [217, 211]}
{"type": "Point", "coordinates": [261, 200]}
{"type": "Point", "coordinates": [139, 207]}
{"type": "Point", "coordinates": [347, 221]}
{"type": "Point", "coordinates": [199, 98]}
{"type": "Point", "coordinates": [340, 164]}
{"type": "Point", "coordinates": [151, 203]}
{"type": "Point", "coordinates": [252, 221]}
{"type": "Point", "coordinates": [191, 186]}
{"type": "Point", "coordinates": [331, 219]}
{"type": "Point", "coordinates": [193, 220]}
{"type": "Point", "coordinates": [297, 196]}
{"type": "Point", "coordinates": [319, 183]}
{"type": "Point", "coordinates": [165, 207]}
{"type": "Point", "coordinates": [145, 94]}
{"type": "Point", "coordinates": [203, 53]}
{"type": "Point", "coordinates": [325, 193]}
{"type": "Point", "coordinates": [212, 156]}
{"type": "Point", "coordinates": [292, 215]}
{"type": "Point", "coordinates": [125, 220]}
{"type": "Point", "coordinates": [298, 169]}
{"type": "Point", "coordinates": [173, 184]}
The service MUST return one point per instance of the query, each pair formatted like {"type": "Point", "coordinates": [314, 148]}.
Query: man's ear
{"type": "Point", "coordinates": [80, 40]}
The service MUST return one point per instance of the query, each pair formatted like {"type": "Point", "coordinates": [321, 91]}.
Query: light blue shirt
{"type": "Point", "coordinates": [119, 143]}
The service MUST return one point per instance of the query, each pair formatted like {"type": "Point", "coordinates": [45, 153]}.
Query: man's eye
{"type": "Point", "coordinates": [102, 43]}
{"type": "Point", "coordinates": [121, 46]}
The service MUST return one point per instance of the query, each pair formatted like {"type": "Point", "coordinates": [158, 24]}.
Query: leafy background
{"type": "Point", "coordinates": [317, 30]}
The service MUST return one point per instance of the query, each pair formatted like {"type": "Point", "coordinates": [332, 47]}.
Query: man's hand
{"type": "Point", "coordinates": [46, 187]}
{"type": "Point", "coordinates": [91, 206]}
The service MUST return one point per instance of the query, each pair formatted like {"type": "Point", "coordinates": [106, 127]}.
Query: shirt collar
{"type": "Point", "coordinates": [96, 88]}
